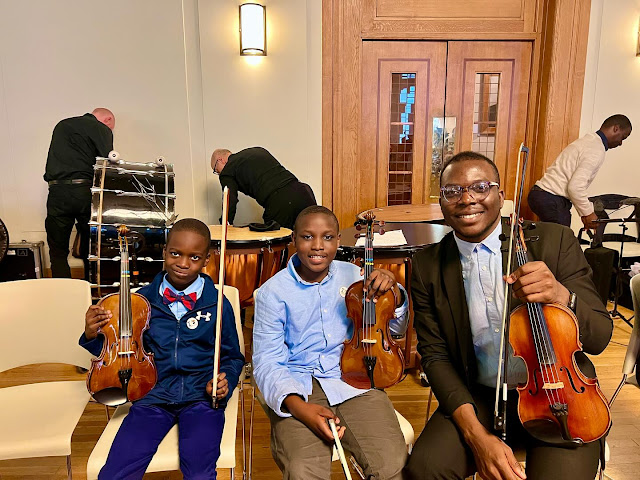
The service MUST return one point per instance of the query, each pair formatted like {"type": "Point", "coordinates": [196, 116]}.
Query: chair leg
{"type": "Point", "coordinates": [615, 394]}
{"type": "Point", "coordinates": [69, 474]}
{"type": "Point", "coordinates": [232, 473]}
{"type": "Point", "coordinates": [106, 411]}
{"type": "Point", "coordinates": [244, 440]}
{"type": "Point", "coordinates": [356, 467]}
{"type": "Point", "coordinates": [252, 408]}
{"type": "Point", "coordinates": [429, 404]}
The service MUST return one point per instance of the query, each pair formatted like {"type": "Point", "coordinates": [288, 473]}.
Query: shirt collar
{"type": "Point", "coordinates": [195, 287]}
{"type": "Point", "coordinates": [603, 137]}
{"type": "Point", "coordinates": [492, 242]}
{"type": "Point", "coordinates": [294, 262]}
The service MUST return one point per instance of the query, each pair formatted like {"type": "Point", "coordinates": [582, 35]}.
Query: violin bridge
{"type": "Point", "coordinates": [553, 386]}
{"type": "Point", "coordinates": [131, 352]}
{"type": "Point", "coordinates": [369, 340]}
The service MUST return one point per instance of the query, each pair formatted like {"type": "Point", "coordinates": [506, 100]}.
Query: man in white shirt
{"type": "Point", "coordinates": [567, 180]}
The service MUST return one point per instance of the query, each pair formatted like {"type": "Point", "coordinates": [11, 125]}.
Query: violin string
{"type": "Point", "coordinates": [536, 315]}
{"type": "Point", "coordinates": [553, 366]}
{"type": "Point", "coordinates": [535, 330]}
{"type": "Point", "coordinates": [548, 366]}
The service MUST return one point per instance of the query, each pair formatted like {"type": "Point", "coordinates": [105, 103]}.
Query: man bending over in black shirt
{"type": "Point", "coordinates": [255, 172]}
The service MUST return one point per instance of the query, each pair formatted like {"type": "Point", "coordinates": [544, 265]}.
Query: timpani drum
{"type": "Point", "coordinates": [251, 259]}
{"type": "Point", "coordinates": [140, 196]}
{"type": "Point", "coordinates": [397, 259]}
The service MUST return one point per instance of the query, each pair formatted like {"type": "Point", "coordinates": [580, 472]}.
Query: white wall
{"type": "Point", "coordinates": [612, 86]}
{"type": "Point", "coordinates": [143, 60]}
{"type": "Point", "coordinates": [273, 101]}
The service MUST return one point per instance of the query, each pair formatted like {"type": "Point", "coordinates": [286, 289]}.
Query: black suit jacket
{"type": "Point", "coordinates": [442, 317]}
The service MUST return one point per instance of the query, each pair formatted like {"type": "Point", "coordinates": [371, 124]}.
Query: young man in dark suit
{"type": "Point", "coordinates": [458, 293]}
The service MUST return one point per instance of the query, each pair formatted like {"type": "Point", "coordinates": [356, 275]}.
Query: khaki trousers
{"type": "Point", "coordinates": [372, 435]}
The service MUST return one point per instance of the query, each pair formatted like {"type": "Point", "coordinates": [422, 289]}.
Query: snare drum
{"type": "Point", "coordinates": [140, 196]}
{"type": "Point", "coordinates": [251, 259]}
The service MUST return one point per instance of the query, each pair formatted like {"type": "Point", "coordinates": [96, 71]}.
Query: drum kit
{"type": "Point", "coordinates": [142, 196]}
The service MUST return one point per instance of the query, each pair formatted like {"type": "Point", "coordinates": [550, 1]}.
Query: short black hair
{"type": "Point", "coordinates": [312, 210]}
{"type": "Point", "coordinates": [190, 225]}
{"type": "Point", "coordinates": [618, 119]}
{"type": "Point", "coordinates": [469, 155]}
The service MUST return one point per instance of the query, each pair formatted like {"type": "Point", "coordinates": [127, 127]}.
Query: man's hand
{"type": "Point", "coordinates": [379, 282]}
{"type": "Point", "coordinates": [222, 388]}
{"type": "Point", "coordinates": [589, 221]}
{"type": "Point", "coordinates": [534, 283]}
{"type": "Point", "coordinates": [494, 459]}
{"type": "Point", "coordinates": [314, 417]}
{"type": "Point", "coordinates": [95, 318]}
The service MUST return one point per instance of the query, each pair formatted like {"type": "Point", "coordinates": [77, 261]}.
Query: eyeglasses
{"type": "Point", "coordinates": [478, 191]}
{"type": "Point", "coordinates": [214, 167]}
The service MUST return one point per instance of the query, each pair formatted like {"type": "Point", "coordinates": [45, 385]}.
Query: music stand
{"type": "Point", "coordinates": [633, 217]}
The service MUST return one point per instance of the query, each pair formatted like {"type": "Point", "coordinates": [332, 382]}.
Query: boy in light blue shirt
{"type": "Point", "coordinates": [300, 326]}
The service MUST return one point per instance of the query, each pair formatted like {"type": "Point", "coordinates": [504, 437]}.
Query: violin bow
{"type": "Point", "coordinates": [341, 455]}
{"type": "Point", "coordinates": [223, 248]}
{"type": "Point", "coordinates": [499, 414]}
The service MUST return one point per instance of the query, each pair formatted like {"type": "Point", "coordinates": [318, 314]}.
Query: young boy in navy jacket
{"type": "Point", "coordinates": [181, 334]}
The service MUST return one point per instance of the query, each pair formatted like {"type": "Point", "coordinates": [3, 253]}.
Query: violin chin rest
{"type": "Point", "coordinates": [111, 396]}
{"type": "Point", "coordinates": [550, 432]}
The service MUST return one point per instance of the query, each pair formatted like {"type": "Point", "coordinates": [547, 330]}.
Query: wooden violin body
{"type": "Point", "coordinates": [558, 404]}
{"type": "Point", "coordinates": [359, 352]}
{"type": "Point", "coordinates": [124, 371]}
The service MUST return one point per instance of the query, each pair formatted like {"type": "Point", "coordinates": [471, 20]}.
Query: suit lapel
{"type": "Point", "coordinates": [454, 291]}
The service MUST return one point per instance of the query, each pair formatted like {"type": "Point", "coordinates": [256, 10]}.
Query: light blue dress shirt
{"type": "Point", "coordinates": [177, 308]}
{"type": "Point", "coordinates": [484, 290]}
{"type": "Point", "coordinates": [298, 334]}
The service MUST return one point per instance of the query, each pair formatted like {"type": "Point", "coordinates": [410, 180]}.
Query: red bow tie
{"type": "Point", "coordinates": [188, 300]}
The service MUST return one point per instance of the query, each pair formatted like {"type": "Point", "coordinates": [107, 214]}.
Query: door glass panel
{"type": "Point", "coordinates": [403, 96]}
{"type": "Point", "coordinates": [444, 144]}
{"type": "Point", "coordinates": [485, 113]}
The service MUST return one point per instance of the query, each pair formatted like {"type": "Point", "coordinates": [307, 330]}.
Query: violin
{"type": "Point", "coordinates": [124, 371]}
{"type": "Point", "coordinates": [371, 358]}
{"type": "Point", "coordinates": [558, 404]}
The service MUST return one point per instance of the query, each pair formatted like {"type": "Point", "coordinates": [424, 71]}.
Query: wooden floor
{"type": "Point", "coordinates": [408, 397]}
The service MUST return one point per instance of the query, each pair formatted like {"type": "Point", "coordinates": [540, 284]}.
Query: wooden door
{"type": "Point", "coordinates": [403, 90]}
{"type": "Point", "coordinates": [487, 97]}
{"type": "Point", "coordinates": [409, 129]}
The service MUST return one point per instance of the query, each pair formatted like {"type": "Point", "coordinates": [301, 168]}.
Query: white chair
{"type": "Point", "coordinates": [167, 457]}
{"type": "Point", "coordinates": [631, 357]}
{"type": "Point", "coordinates": [40, 322]}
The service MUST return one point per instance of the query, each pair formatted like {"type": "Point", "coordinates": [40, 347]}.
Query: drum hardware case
{"type": "Point", "coordinates": [23, 261]}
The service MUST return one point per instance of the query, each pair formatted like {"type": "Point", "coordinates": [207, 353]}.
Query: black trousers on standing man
{"type": "Point", "coordinates": [67, 205]}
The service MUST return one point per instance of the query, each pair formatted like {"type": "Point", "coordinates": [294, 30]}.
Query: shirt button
{"type": "Point", "coordinates": [325, 310]}
{"type": "Point", "coordinates": [489, 299]}
{"type": "Point", "coordinates": [484, 267]}
{"type": "Point", "coordinates": [321, 356]}
{"type": "Point", "coordinates": [497, 330]}
{"type": "Point", "coordinates": [328, 335]}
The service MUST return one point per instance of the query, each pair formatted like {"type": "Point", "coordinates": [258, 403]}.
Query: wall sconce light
{"type": "Point", "coordinates": [253, 29]}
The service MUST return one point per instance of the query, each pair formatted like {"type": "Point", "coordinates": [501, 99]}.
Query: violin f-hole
{"type": "Point", "coordinates": [573, 385]}
{"type": "Point", "coordinates": [535, 380]}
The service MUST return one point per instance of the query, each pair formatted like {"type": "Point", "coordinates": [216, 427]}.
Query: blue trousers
{"type": "Point", "coordinates": [550, 207]}
{"type": "Point", "coordinates": [199, 434]}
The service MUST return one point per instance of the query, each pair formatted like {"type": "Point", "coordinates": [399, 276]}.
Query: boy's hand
{"type": "Point", "coordinates": [314, 416]}
{"type": "Point", "coordinates": [379, 282]}
{"type": "Point", "coordinates": [222, 388]}
{"type": "Point", "coordinates": [95, 318]}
